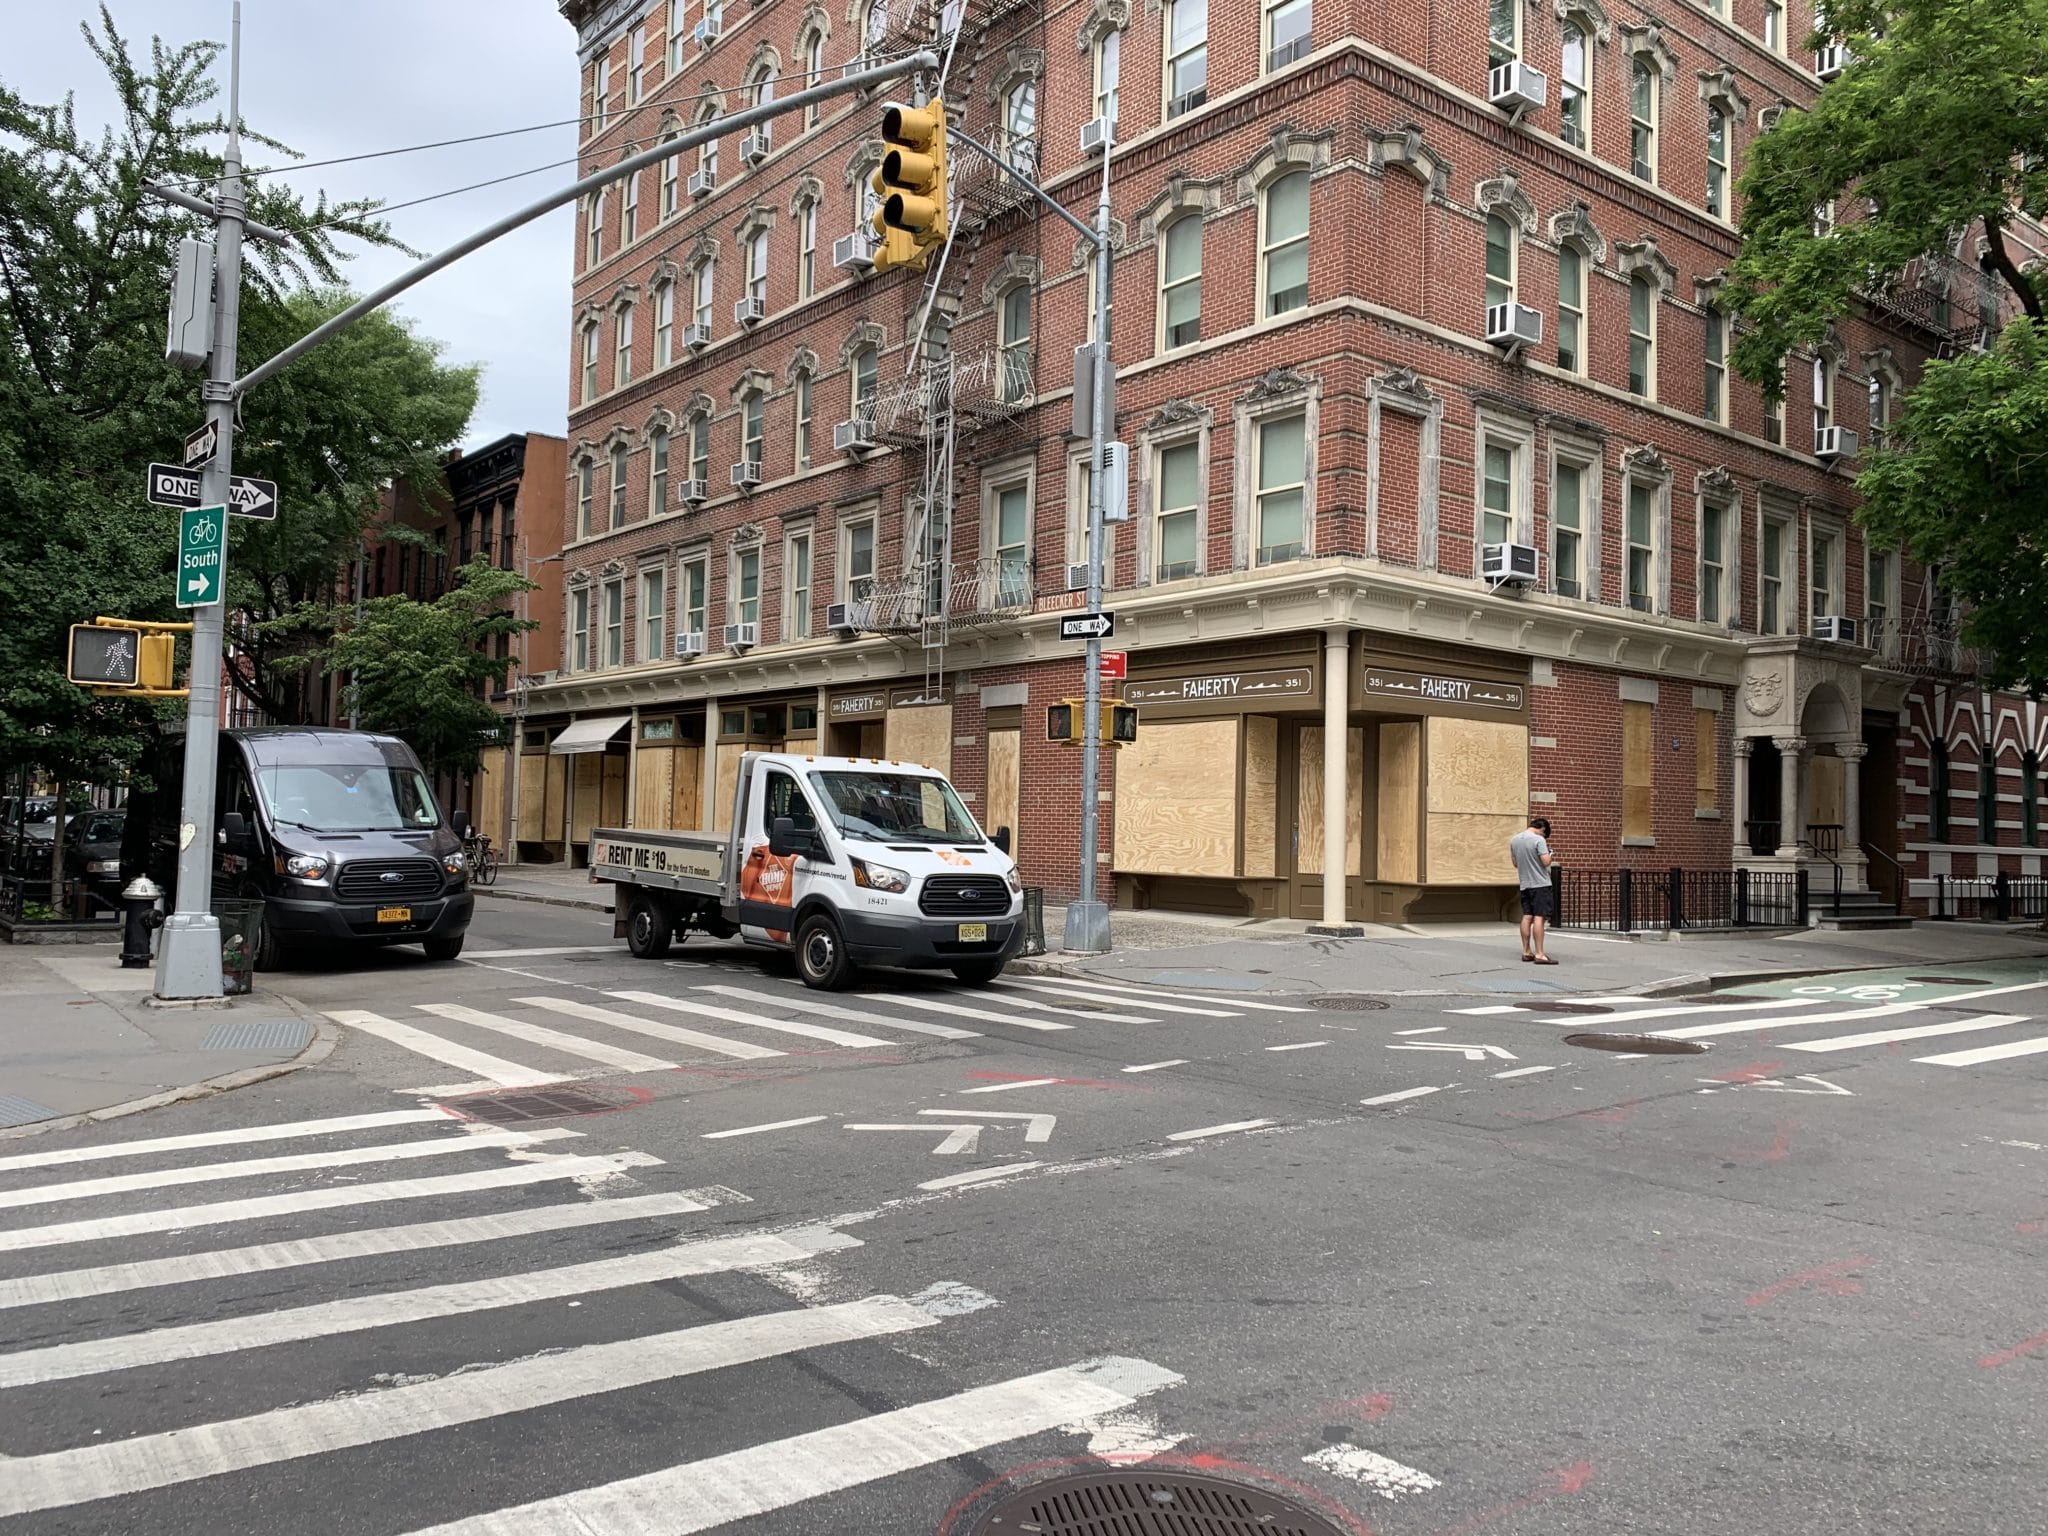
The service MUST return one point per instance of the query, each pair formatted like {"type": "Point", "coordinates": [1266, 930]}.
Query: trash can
{"type": "Point", "coordinates": [241, 938]}
{"type": "Point", "coordinates": [1034, 920]}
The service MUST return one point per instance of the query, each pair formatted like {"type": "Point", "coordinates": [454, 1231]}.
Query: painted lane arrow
{"type": "Point", "coordinates": [1040, 1128]}
{"type": "Point", "coordinates": [1469, 1052]}
{"type": "Point", "coordinates": [959, 1138]}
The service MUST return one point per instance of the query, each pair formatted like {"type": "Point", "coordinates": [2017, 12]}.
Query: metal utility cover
{"type": "Point", "coordinates": [1149, 1504]}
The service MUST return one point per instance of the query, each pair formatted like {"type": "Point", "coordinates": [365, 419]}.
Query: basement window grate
{"type": "Point", "coordinates": [540, 1104]}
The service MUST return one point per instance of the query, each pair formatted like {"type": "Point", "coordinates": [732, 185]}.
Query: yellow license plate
{"type": "Point", "coordinates": [974, 933]}
{"type": "Point", "coordinates": [394, 914]}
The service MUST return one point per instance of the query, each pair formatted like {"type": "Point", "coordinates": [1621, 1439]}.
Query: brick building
{"type": "Point", "coordinates": [1378, 305]}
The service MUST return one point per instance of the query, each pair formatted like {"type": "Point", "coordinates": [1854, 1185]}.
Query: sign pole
{"type": "Point", "coordinates": [188, 956]}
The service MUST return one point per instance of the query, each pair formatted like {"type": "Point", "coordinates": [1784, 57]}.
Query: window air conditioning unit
{"type": "Point", "coordinates": [1831, 60]}
{"type": "Point", "coordinates": [740, 637]}
{"type": "Point", "coordinates": [1514, 326]}
{"type": "Point", "coordinates": [704, 182]}
{"type": "Point", "coordinates": [1833, 443]}
{"type": "Point", "coordinates": [754, 147]}
{"type": "Point", "coordinates": [696, 337]}
{"type": "Point", "coordinates": [1077, 576]}
{"type": "Point", "coordinates": [1096, 134]}
{"type": "Point", "coordinates": [690, 645]}
{"type": "Point", "coordinates": [853, 436]}
{"type": "Point", "coordinates": [849, 618]}
{"type": "Point", "coordinates": [1516, 88]}
{"type": "Point", "coordinates": [1509, 565]}
{"type": "Point", "coordinates": [854, 252]}
{"type": "Point", "coordinates": [707, 31]}
{"type": "Point", "coordinates": [1834, 626]}
{"type": "Point", "coordinates": [540, 679]}
{"type": "Point", "coordinates": [750, 311]}
{"type": "Point", "coordinates": [746, 474]}
{"type": "Point", "coordinates": [692, 493]}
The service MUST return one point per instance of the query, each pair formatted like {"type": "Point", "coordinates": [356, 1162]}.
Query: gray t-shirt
{"type": "Point", "coordinates": [1527, 848]}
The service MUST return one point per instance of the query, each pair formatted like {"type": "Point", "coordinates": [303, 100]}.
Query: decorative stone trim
{"type": "Point", "coordinates": [765, 61]}
{"type": "Point", "coordinates": [1019, 65]}
{"type": "Point", "coordinates": [699, 404]}
{"type": "Point", "coordinates": [583, 453]}
{"type": "Point", "coordinates": [1642, 256]}
{"type": "Point", "coordinates": [1277, 384]}
{"type": "Point", "coordinates": [809, 190]}
{"type": "Point", "coordinates": [1589, 10]}
{"type": "Point", "coordinates": [866, 160]}
{"type": "Point", "coordinates": [1646, 460]}
{"type": "Point", "coordinates": [1014, 268]}
{"type": "Point", "coordinates": [1406, 149]}
{"type": "Point", "coordinates": [754, 381]}
{"type": "Point", "coordinates": [1084, 250]}
{"type": "Point", "coordinates": [1716, 484]}
{"type": "Point", "coordinates": [1831, 349]}
{"type": "Point", "coordinates": [1179, 413]}
{"type": "Point", "coordinates": [664, 272]}
{"type": "Point", "coordinates": [612, 569]}
{"type": "Point", "coordinates": [802, 361]}
{"type": "Point", "coordinates": [671, 125]}
{"type": "Point", "coordinates": [705, 250]}
{"type": "Point", "coordinates": [759, 219]}
{"type": "Point", "coordinates": [590, 314]}
{"type": "Point", "coordinates": [713, 102]}
{"type": "Point", "coordinates": [1647, 41]}
{"type": "Point", "coordinates": [1402, 390]}
{"type": "Point", "coordinates": [1181, 195]}
{"type": "Point", "coordinates": [1880, 364]}
{"type": "Point", "coordinates": [814, 22]}
{"type": "Point", "coordinates": [1504, 194]}
{"type": "Point", "coordinates": [865, 333]}
{"type": "Point", "coordinates": [1287, 151]}
{"type": "Point", "coordinates": [1107, 16]}
{"type": "Point", "coordinates": [620, 436]}
{"type": "Point", "coordinates": [1575, 225]}
{"type": "Point", "coordinates": [748, 536]}
{"type": "Point", "coordinates": [1707, 290]}
{"type": "Point", "coordinates": [1719, 87]}
{"type": "Point", "coordinates": [660, 419]}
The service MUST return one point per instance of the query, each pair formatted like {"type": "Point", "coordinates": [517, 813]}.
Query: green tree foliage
{"type": "Point", "coordinates": [87, 400]}
{"type": "Point", "coordinates": [418, 670]}
{"type": "Point", "coordinates": [1932, 144]}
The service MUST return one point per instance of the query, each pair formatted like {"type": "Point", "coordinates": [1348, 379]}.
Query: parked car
{"type": "Point", "coordinates": [92, 852]}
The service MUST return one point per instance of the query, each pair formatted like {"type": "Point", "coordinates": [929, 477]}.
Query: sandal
{"type": "Point", "coordinates": [1544, 960]}
{"type": "Point", "coordinates": [1527, 958]}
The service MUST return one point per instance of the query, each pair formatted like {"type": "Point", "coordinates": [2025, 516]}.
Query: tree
{"type": "Point", "coordinates": [1933, 142]}
{"type": "Point", "coordinates": [420, 670]}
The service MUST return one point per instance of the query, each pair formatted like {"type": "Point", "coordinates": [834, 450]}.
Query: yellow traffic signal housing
{"type": "Point", "coordinates": [1118, 723]}
{"type": "Point", "coordinates": [157, 662]}
{"type": "Point", "coordinates": [894, 248]}
{"type": "Point", "coordinates": [127, 657]}
{"type": "Point", "coordinates": [912, 180]}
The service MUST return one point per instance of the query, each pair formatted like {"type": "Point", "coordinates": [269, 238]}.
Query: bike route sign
{"type": "Point", "coordinates": [202, 556]}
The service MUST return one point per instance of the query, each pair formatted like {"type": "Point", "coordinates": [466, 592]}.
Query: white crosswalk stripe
{"type": "Point", "coordinates": [1909, 1032]}
{"type": "Point", "coordinates": [806, 1001]}
{"type": "Point", "coordinates": [281, 1131]}
{"type": "Point", "coordinates": [1249, 1002]}
{"type": "Point", "coordinates": [756, 1020]}
{"type": "Point", "coordinates": [491, 1069]}
{"type": "Point", "coordinates": [743, 1050]}
{"type": "Point", "coordinates": [554, 1039]}
{"type": "Point", "coordinates": [962, 1011]}
{"type": "Point", "coordinates": [1983, 1053]}
{"type": "Point", "coordinates": [1072, 993]}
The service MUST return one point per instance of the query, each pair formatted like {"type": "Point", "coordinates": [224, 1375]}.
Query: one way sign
{"type": "Point", "coordinates": [1087, 626]}
{"type": "Point", "coordinates": [170, 486]}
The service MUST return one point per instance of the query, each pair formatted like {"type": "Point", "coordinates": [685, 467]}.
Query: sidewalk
{"type": "Point", "coordinates": [77, 1042]}
{"type": "Point", "coordinates": [554, 885]}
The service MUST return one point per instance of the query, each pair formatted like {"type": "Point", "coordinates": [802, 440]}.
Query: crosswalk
{"type": "Point", "coordinates": [286, 1314]}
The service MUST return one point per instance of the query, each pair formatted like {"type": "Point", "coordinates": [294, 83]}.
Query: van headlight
{"type": "Point", "coordinates": [1016, 882]}
{"type": "Point", "coordinates": [455, 864]}
{"type": "Point", "coordinates": [302, 866]}
{"type": "Point", "coordinates": [880, 877]}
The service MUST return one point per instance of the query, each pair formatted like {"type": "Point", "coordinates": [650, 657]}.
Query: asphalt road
{"type": "Point", "coordinates": [766, 1262]}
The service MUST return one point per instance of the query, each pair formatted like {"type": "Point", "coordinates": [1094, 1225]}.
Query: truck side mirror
{"type": "Point", "coordinates": [1002, 839]}
{"type": "Point", "coordinates": [234, 829]}
{"type": "Point", "coordinates": [460, 822]}
{"type": "Point", "coordinates": [784, 840]}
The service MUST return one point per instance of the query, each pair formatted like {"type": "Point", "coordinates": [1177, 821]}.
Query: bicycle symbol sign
{"type": "Point", "coordinates": [202, 531]}
{"type": "Point", "coordinates": [202, 556]}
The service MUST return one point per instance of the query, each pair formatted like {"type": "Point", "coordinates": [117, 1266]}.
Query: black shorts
{"type": "Point", "coordinates": [1540, 901]}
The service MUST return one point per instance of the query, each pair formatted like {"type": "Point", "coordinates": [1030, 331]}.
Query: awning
{"type": "Point", "coordinates": [589, 735]}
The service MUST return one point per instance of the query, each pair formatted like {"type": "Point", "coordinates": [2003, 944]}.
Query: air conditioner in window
{"type": "Point", "coordinates": [1509, 565]}
{"type": "Point", "coordinates": [1077, 576]}
{"type": "Point", "coordinates": [540, 679]}
{"type": "Point", "coordinates": [692, 493]}
{"type": "Point", "coordinates": [750, 311]}
{"type": "Point", "coordinates": [1188, 103]}
{"type": "Point", "coordinates": [690, 645]}
{"type": "Point", "coordinates": [754, 147]}
{"type": "Point", "coordinates": [746, 474]}
{"type": "Point", "coordinates": [849, 618]}
{"type": "Point", "coordinates": [1833, 443]}
{"type": "Point", "coordinates": [707, 31]}
{"type": "Point", "coordinates": [1516, 88]}
{"type": "Point", "coordinates": [704, 182]}
{"type": "Point", "coordinates": [696, 337]}
{"type": "Point", "coordinates": [1831, 60]}
{"type": "Point", "coordinates": [1514, 326]}
{"type": "Point", "coordinates": [1096, 134]}
{"type": "Point", "coordinates": [1834, 626]}
{"type": "Point", "coordinates": [740, 637]}
{"type": "Point", "coordinates": [853, 436]}
{"type": "Point", "coordinates": [855, 252]}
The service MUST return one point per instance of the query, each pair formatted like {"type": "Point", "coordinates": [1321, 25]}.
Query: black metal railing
{"type": "Point", "coordinates": [1763, 837]}
{"type": "Point", "coordinates": [2000, 898]}
{"type": "Point", "coordinates": [1645, 900]}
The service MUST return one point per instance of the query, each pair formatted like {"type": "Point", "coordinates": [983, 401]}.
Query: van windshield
{"type": "Point", "coordinates": [348, 797]}
{"type": "Point", "coordinates": [895, 808]}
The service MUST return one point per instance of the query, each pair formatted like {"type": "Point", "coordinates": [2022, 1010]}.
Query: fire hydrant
{"type": "Point", "coordinates": [143, 898]}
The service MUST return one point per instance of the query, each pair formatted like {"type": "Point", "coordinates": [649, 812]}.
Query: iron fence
{"type": "Point", "coordinates": [2000, 898]}
{"type": "Point", "coordinates": [1642, 900]}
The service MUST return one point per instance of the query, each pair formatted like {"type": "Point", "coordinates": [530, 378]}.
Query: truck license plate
{"type": "Point", "coordinates": [974, 933]}
{"type": "Point", "coordinates": [394, 914]}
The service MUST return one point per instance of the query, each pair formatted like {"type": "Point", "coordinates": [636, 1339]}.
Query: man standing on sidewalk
{"type": "Point", "coordinates": [1530, 849]}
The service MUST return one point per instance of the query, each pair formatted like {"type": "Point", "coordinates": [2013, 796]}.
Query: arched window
{"type": "Point", "coordinates": [1717, 161]}
{"type": "Point", "coordinates": [753, 428]}
{"type": "Point", "coordinates": [1014, 381]}
{"type": "Point", "coordinates": [1571, 308]}
{"type": "Point", "coordinates": [1180, 282]}
{"type": "Point", "coordinates": [1642, 116]}
{"type": "Point", "coordinates": [593, 228]}
{"type": "Point", "coordinates": [622, 346]}
{"type": "Point", "coordinates": [814, 73]}
{"type": "Point", "coordinates": [1284, 244]}
{"type": "Point", "coordinates": [865, 366]}
{"type": "Point", "coordinates": [657, 471]}
{"type": "Point", "coordinates": [617, 518]}
{"type": "Point", "coordinates": [1575, 85]}
{"type": "Point", "coordinates": [1642, 337]}
{"type": "Point", "coordinates": [874, 25]}
{"type": "Point", "coordinates": [586, 476]}
{"type": "Point", "coordinates": [589, 360]}
{"type": "Point", "coordinates": [1500, 260]}
{"type": "Point", "coordinates": [700, 450]}
{"type": "Point", "coordinates": [664, 322]}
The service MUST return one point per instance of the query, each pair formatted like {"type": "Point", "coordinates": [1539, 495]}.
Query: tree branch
{"type": "Point", "coordinates": [2002, 262]}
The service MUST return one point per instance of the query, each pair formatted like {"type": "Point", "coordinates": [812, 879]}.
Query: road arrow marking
{"type": "Point", "coordinates": [1821, 1088]}
{"type": "Point", "coordinates": [1469, 1052]}
{"type": "Point", "coordinates": [959, 1138]}
{"type": "Point", "coordinates": [1040, 1128]}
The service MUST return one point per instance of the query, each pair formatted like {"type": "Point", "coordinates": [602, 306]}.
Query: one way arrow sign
{"type": "Point", "coordinates": [1087, 626]}
{"type": "Point", "coordinates": [170, 486]}
{"type": "Point", "coordinates": [1469, 1052]}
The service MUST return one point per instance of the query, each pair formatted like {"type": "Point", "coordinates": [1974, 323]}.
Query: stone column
{"type": "Point", "coordinates": [1336, 781]}
{"type": "Point", "coordinates": [1791, 817]}
{"type": "Point", "coordinates": [1852, 754]}
{"type": "Point", "coordinates": [632, 770]}
{"type": "Point", "coordinates": [1740, 801]}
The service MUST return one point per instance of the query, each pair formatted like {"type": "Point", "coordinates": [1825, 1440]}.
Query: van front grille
{"type": "Point", "coordinates": [965, 896]}
{"type": "Point", "coordinates": [371, 880]}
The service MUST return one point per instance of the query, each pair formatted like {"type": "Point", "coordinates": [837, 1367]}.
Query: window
{"type": "Point", "coordinates": [762, 92]}
{"type": "Point", "coordinates": [618, 494]}
{"type": "Point", "coordinates": [1938, 829]}
{"type": "Point", "coordinates": [678, 29]}
{"type": "Point", "coordinates": [1822, 577]}
{"type": "Point", "coordinates": [1823, 398]}
{"type": "Point", "coordinates": [874, 27]}
{"type": "Point", "coordinates": [589, 361]}
{"type": "Point", "coordinates": [579, 630]}
{"type": "Point", "coordinates": [671, 174]}
{"type": "Point", "coordinates": [1642, 337]}
{"type": "Point", "coordinates": [1500, 260]}
{"type": "Point", "coordinates": [1015, 343]}
{"type": "Point", "coordinates": [1080, 486]}
{"type": "Point", "coordinates": [593, 228]}
{"type": "Point", "coordinates": [600, 93]}
{"type": "Point", "coordinates": [1642, 546]}
{"type": "Point", "coordinates": [1503, 31]}
{"type": "Point", "coordinates": [1774, 25]}
{"type": "Point", "coordinates": [753, 428]}
{"type": "Point", "coordinates": [1010, 539]}
{"type": "Point", "coordinates": [1877, 600]}
{"type": "Point", "coordinates": [2030, 800]}
{"type": "Point", "coordinates": [707, 155]}
{"type": "Point", "coordinates": [1714, 396]}
{"type": "Point", "coordinates": [586, 473]}
{"type": "Point", "coordinates": [1575, 88]}
{"type": "Point", "coordinates": [629, 209]}
{"type": "Point", "coordinates": [803, 421]}
{"type": "Point", "coordinates": [664, 324]}
{"type": "Point", "coordinates": [757, 267]}
{"type": "Point", "coordinates": [1180, 282]}
{"type": "Point", "coordinates": [807, 251]}
{"type": "Point", "coordinates": [615, 623]}
{"type": "Point", "coordinates": [1176, 553]}
{"type": "Point", "coordinates": [814, 74]}
{"type": "Point", "coordinates": [1109, 49]}
{"type": "Point", "coordinates": [1568, 529]}
{"type": "Point", "coordinates": [1987, 795]}
{"type": "Point", "coordinates": [622, 346]}
{"type": "Point", "coordinates": [657, 471]}
{"type": "Point", "coordinates": [746, 586]}
{"type": "Point", "coordinates": [1020, 121]}
{"type": "Point", "coordinates": [1282, 474]}
{"type": "Point", "coordinates": [796, 606]}
{"type": "Point", "coordinates": [1713, 562]}
{"type": "Point", "coordinates": [1286, 243]}
{"type": "Point", "coordinates": [701, 280]}
{"type": "Point", "coordinates": [653, 637]}
{"type": "Point", "coordinates": [1706, 762]}
{"type": "Point", "coordinates": [1642, 120]}
{"type": "Point", "coordinates": [1770, 603]}
{"type": "Point", "coordinates": [636, 64]}
{"type": "Point", "coordinates": [1638, 771]}
{"type": "Point", "coordinates": [1571, 308]}
{"type": "Point", "coordinates": [1287, 32]}
{"type": "Point", "coordinates": [505, 541]}
{"type": "Point", "coordinates": [700, 449]}
{"type": "Point", "coordinates": [864, 365]}
{"type": "Point", "coordinates": [1497, 494]}
{"type": "Point", "coordinates": [1717, 162]}
{"type": "Point", "coordinates": [1880, 406]}
{"type": "Point", "coordinates": [1774, 413]}
{"type": "Point", "coordinates": [1187, 56]}
{"type": "Point", "coordinates": [693, 582]}
{"type": "Point", "coordinates": [857, 559]}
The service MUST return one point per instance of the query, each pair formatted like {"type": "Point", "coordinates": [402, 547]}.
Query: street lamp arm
{"type": "Point", "coordinates": [953, 133]}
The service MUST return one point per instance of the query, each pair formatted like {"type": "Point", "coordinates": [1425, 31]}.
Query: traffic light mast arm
{"type": "Point", "coordinates": [953, 134]}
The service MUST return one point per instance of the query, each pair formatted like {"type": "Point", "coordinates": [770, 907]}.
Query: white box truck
{"type": "Point", "coordinates": [842, 861]}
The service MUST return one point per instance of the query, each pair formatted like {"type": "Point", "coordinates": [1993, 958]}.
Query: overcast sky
{"type": "Point", "coordinates": [373, 75]}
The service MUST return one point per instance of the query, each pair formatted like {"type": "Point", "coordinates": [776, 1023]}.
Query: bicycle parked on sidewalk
{"type": "Point", "coordinates": [483, 858]}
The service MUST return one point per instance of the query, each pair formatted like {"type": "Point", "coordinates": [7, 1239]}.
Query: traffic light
{"type": "Point", "coordinates": [894, 247]}
{"type": "Point", "coordinates": [157, 662]}
{"type": "Point", "coordinates": [126, 656]}
{"type": "Point", "coordinates": [1118, 722]}
{"type": "Point", "coordinates": [912, 180]}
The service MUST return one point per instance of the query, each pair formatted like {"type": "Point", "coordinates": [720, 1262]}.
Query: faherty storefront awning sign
{"type": "Point", "coordinates": [1428, 688]}
{"type": "Point", "coordinates": [1225, 690]}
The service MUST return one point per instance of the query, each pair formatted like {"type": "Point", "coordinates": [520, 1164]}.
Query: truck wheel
{"type": "Point", "coordinates": [271, 953]}
{"type": "Point", "coordinates": [648, 928]}
{"type": "Point", "coordinates": [443, 948]}
{"type": "Point", "coordinates": [821, 954]}
{"type": "Point", "coordinates": [978, 973]}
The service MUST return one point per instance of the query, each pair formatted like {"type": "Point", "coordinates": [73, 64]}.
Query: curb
{"type": "Point", "coordinates": [589, 904]}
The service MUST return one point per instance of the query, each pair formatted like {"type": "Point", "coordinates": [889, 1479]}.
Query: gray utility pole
{"type": "Point", "coordinates": [188, 959]}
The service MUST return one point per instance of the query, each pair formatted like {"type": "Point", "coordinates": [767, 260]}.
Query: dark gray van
{"type": "Point", "coordinates": [339, 835]}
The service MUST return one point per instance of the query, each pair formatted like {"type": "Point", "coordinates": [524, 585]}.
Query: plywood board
{"type": "Point", "coordinates": [689, 789]}
{"type": "Point", "coordinates": [1706, 760]}
{"type": "Point", "coordinates": [1005, 752]}
{"type": "Point", "coordinates": [587, 783]}
{"type": "Point", "coordinates": [1478, 766]}
{"type": "Point", "coordinates": [1261, 794]}
{"type": "Point", "coordinates": [727, 783]}
{"type": "Point", "coordinates": [654, 787]}
{"type": "Point", "coordinates": [1308, 802]}
{"type": "Point", "coordinates": [1470, 848]}
{"type": "Point", "coordinates": [611, 801]}
{"type": "Point", "coordinates": [533, 789]}
{"type": "Point", "coordinates": [550, 828]}
{"type": "Point", "coordinates": [487, 795]}
{"type": "Point", "coordinates": [1638, 772]}
{"type": "Point", "coordinates": [1176, 800]}
{"type": "Point", "coordinates": [923, 736]}
{"type": "Point", "coordinates": [1400, 801]}
{"type": "Point", "coordinates": [1824, 798]}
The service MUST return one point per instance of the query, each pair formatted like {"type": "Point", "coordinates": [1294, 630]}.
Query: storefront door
{"type": "Point", "coordinates": [1301, 813]}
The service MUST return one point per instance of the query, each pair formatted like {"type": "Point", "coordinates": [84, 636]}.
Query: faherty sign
{"type": "Point", "coordinates": [1430, 688]}
{"type": "Point", "coordinates": [1228, 689]}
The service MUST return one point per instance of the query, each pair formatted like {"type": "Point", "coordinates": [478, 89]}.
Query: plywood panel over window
{"type": "Point", "coordinates": [550, 828]}
{"type": "Point", "coordinates": [1261, 794]}
{"type": "Point", "coordinates": [1825, 806]}
{"type": "Point", "coordinates": [1308, 859]}
{"type": "Point", "coordinates": [1400, 808]}
{"type": "Point", "coordinates": [1478, 799]}
{"type": "Point", "coordinates": [923, 736]}
{"type": "Point", "coordinates": [1706, 761]}
{"type": "Point", "coordinates": [728, 771]}
{"type": "Point", "coordinates": [1638, 757]}
{"type": "Point", "coordinates": [533, 788]}
{"type": "Point", "coordinates": [589, 784]}
{"type": "Point", "coordinates": [487, 795]}
{"type": "Point", "coordinates": [654, 787]}
{"type": "Point", "coordinates": [1005, 749]}
{"type": "Point", "coordinates": [687, 809]}
{"type": "Point", "coordinates": [1176, 800]}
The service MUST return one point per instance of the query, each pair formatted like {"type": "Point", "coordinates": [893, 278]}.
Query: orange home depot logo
{"type": "Point", "coordinates": [767, 878]}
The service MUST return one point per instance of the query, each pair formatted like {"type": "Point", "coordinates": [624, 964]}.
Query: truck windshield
{"type": "Point", "coordinates": [895, 808]}
{"type": "Point", "coordinates": [348, 797]}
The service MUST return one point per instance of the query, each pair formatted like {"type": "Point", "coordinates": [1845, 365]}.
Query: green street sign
{"type": "Point", "coordinates": [202, 556]}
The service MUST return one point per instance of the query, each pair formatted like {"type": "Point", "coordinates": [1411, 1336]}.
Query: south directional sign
{"type": "Point", "coordinates": [1087, 626]}
{"type": "Point", "coordinates": [202, 556]}
{"type": "Point", "coordinates": [170, 486]}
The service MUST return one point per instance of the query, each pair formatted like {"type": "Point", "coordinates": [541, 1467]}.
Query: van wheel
{"type": "Point", "coordinates": [271, 954]}
{"type": "Point", "coordinates": [821, 954]}
{"type": "Point", "coordinates": [648, 928]}
{"type": "Point", "coordinates": [978, 973]}
{"type": "Point", "coordinates": [443, 948]}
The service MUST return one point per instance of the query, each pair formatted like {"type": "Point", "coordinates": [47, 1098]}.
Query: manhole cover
{"type": "Point", "coordinates": [1564, 1008]}
{"type": "Point", "coordinates": [1643, 1045]}
{"type": "Point", "coordinates": [543, 1104]}
{"type": "Point", "coordinates": [1338, 1004]}
{"type": "Point", "coordinates": [1950, 981]}
{"type": "Point", "coordinates": [1149, 1504]}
